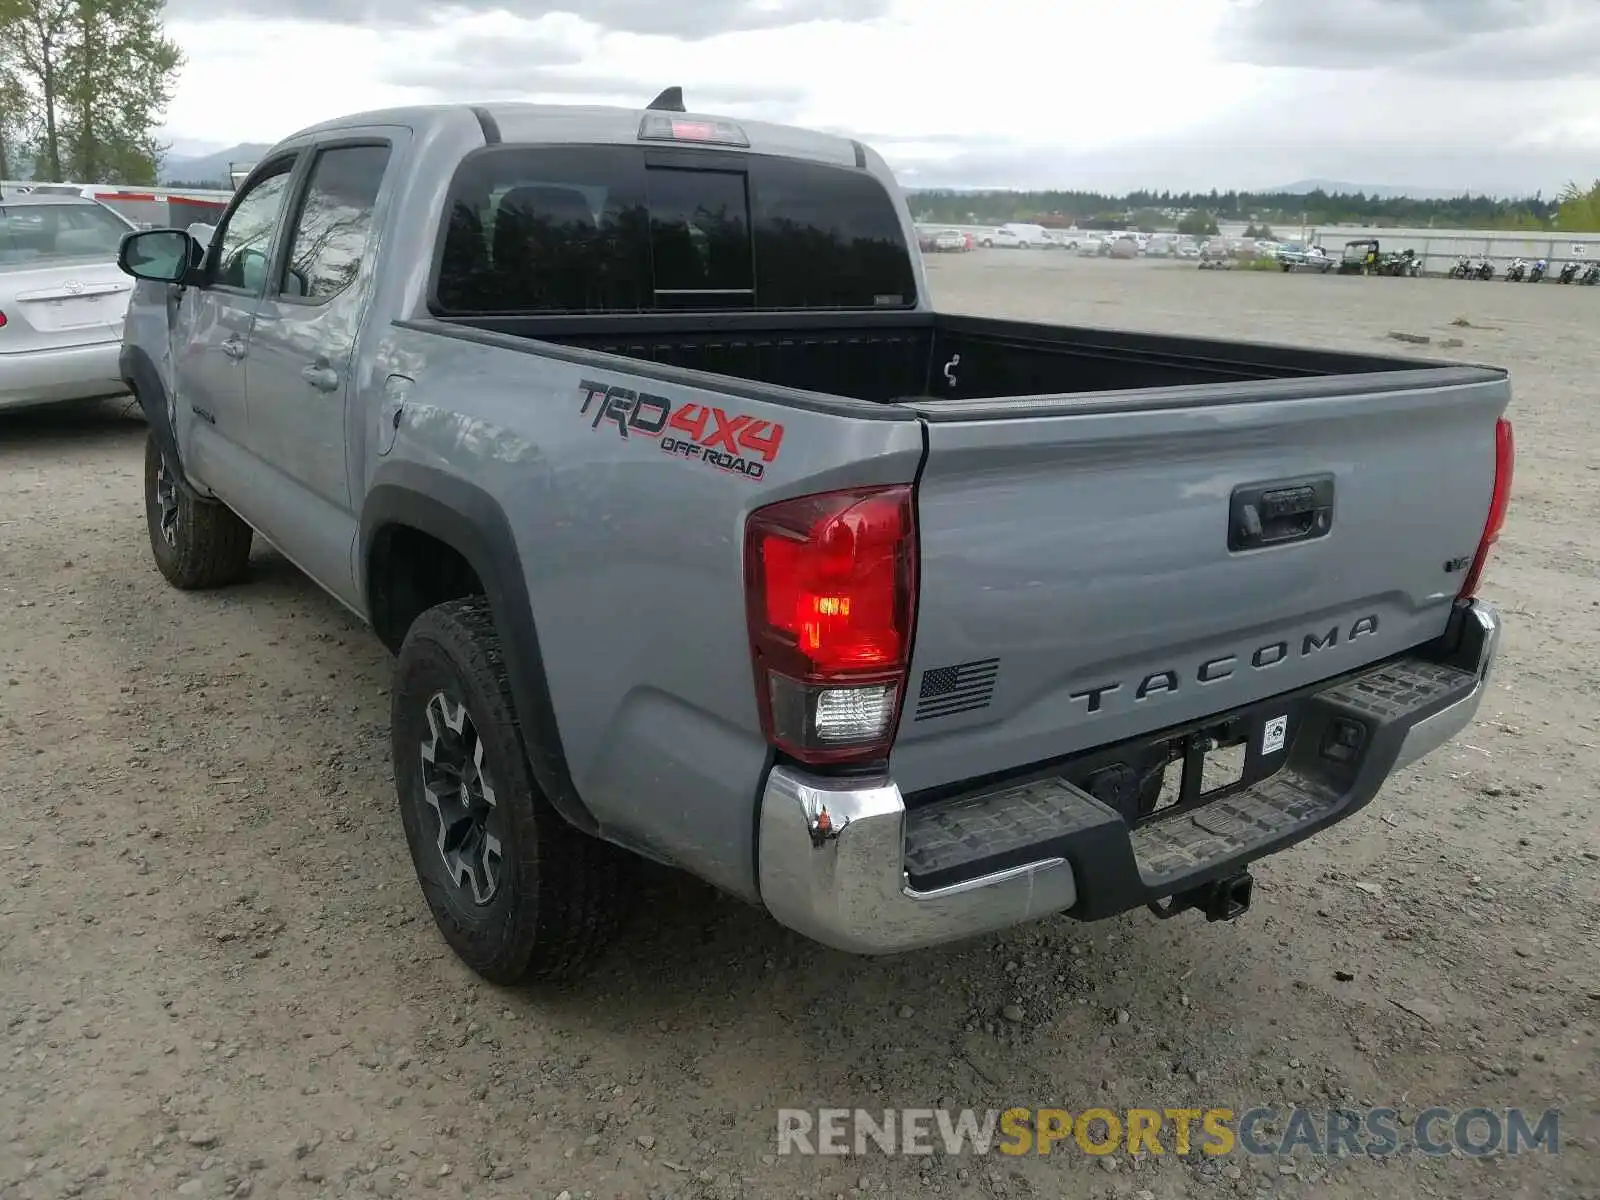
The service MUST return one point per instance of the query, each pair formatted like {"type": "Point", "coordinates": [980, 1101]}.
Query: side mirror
{"type": "Point", "coordinates": [159, 255]}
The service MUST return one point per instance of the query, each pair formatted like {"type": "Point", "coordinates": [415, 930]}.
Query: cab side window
{"type": "Point", "coordinates": [246, 240]}
{"type": "Point", "coordinates": [335, 219]}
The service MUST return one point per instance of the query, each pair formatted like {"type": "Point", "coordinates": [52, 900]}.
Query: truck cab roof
{"type": "Point", "coordinates": [599, 124]}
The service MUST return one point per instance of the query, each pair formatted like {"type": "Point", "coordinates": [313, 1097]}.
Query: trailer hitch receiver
{"type": "Point", "coordinates": [1222, 899]}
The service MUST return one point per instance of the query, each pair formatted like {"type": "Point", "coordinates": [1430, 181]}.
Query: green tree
{"type": "Point", "coordinates": [94, 76]}
{"type": "Point", "coordinates": [1285, 208]}
{"type": "Point", "coordinates": [1579, 210]}
{"type": "Point", "coordinates": [1198, 224]}
{"type": "Point", "coordinates": [1147, 220]}
{"type": "Point", "coordinates": [123, 72]}
{"type": "Point", "coordinates": [34, 34]}
{"type": "Point", "coordinates": [14, 115]}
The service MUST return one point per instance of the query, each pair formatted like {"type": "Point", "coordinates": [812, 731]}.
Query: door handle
{"type": "Point", "coordinates": [324, 379]}
{"type": "Point", "coordinates": [233, 348]}
{"type": "Point", "coordinates": [1280, 513]}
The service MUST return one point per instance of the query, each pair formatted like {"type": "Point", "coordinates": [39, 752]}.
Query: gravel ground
{"type": "Point", "coordinates": [217, 976]}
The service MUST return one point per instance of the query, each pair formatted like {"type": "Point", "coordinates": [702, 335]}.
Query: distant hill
{"type": "Point", "coordinates": [1334, 187]}
{"type": "Point", "coordinates": [212, 168]}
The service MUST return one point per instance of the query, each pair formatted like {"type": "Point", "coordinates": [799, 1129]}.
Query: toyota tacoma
{"type": "Point", "coordinates": [700, 534]}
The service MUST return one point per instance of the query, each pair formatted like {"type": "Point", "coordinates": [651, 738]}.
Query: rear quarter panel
{"type": "Point", "coordinates": [633, 561]}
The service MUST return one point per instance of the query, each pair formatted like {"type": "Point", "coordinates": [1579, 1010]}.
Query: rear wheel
{"type": "Point", "coordinates": [197, 543]}
{"type": "Point", "coordinates": [517, 892]}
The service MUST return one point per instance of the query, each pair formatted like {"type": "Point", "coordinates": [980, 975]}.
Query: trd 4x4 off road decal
{"type": "Point", "coordinates": [738, 443]}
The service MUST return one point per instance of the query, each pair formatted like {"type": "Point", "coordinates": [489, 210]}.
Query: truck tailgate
{"type": "Point", "coordinates": [1077, 583]}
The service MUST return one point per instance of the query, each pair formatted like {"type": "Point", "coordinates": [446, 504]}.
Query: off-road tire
{"type": "Point", "coordinates": [560, 893]}
{"type": "Point", "coordinates": [209, 546]}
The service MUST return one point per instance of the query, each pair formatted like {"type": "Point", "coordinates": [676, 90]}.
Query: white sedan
{"type": "Point", "coordinates": [62, 300]}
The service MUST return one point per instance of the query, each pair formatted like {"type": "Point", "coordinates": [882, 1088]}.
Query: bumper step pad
{"type": "Point", "coordinates": [957, 840]}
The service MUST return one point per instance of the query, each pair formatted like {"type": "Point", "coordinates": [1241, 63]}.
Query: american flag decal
{"type": "Point", "coordinates": [964, 687]}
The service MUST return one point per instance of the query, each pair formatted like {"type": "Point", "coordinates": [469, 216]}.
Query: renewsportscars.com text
{"type": "Point", "coordinates": [1369, 1132]}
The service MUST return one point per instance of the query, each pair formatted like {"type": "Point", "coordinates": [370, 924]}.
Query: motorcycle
{"type": "Point", "coordinates": [1462, 269]}
{"type": "Point", "coordinates": [1591, 276]}
{"type": "Point", "coordinates": [1516, 271]}
{"type": "Point", "coordinates": [1405, 265]}
{"type": "Point", "coordinates": [1539, 268]}
{"type": "Point", "coordinates": [1484, 269]}
{"type": "Point", "coordinates": [1569, 272]}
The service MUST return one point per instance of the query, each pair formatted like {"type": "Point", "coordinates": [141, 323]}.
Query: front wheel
{"type": "Point", "coordinates": [197, 543]}
{"type": "Point", "coordinates": [517, 892]}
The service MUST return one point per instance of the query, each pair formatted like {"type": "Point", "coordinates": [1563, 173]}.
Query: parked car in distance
{"type": "Point", "coordinates": [1030, 237]}
{"type": "Point", "coordinates": [1000, 239]}
{"type": "Point", "coordinates": [948, 240]}
{"type": "Point", "coordinates": [1221, 247]}
{"type": "Point", "coordinates": [62, 299]}
{"type": "Point", "coordinates": [1124, 245]}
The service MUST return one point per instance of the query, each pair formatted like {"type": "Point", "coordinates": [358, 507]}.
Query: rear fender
{"type": "Point", "coordinates": [469, 520]}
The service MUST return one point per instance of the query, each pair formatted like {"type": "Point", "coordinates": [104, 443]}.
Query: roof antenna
{"type": "Point", "coordinates": [670, 100]}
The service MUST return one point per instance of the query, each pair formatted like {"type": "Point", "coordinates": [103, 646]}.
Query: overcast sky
{"type": "Point", "coordinates": [1492, 95]}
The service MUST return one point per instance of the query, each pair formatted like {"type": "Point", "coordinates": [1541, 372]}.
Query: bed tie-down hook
{"type": "Point", "coordinates": [950, 369]}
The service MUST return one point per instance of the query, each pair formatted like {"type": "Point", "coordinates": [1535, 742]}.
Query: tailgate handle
{"type": "Point", "coordinates": [1280, 513]}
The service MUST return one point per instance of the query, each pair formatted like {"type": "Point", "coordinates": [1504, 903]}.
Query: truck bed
{"type": "Point", "coordinates": [885, 358]}
{"type": "Point", "coordinates": [1118, 532]}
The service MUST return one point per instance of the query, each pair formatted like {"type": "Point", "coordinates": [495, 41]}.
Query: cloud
{"type": "Point", "coordinates": [1248, 93]}
{"type": "Point", "coordinates": [509, 74]}
{"type": "Point", "coordinates": [1457, 39]}
{"type": "Point", "coordinates": [485, 64]}
{"type": "Point", "coordinates": [691, 21]}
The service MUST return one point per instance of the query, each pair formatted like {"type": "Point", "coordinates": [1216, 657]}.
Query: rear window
{"type": "Point", "coordinates": [593, 229]}
{"type": "Point", "coordinates": [38, 231]}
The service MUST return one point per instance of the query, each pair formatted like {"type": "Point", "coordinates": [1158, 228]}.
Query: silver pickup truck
{"type": "Point", "coordinates": [700, 535]}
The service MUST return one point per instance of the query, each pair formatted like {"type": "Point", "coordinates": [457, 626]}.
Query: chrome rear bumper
{"type": "Point", "coordinates": [833, 862]}
{"type": "Point", "coordinates": [832, 868]}
{"type": "Point", "coordinates": [1481, 646]}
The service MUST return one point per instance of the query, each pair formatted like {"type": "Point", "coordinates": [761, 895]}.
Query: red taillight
{"type": "Point", "coordinates": [1505, 456]}
{"type": "Point", "coordinates": [2, 320]}
{"type": "Point", "coordinates": [830, 590]}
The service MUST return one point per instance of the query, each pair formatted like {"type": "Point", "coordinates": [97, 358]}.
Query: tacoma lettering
{"type": "Point", "coordinates": [1214, 670]}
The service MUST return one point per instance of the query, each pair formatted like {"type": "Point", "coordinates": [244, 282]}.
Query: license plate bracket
{"type": "Point", "coordinates": [1219, 760]}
